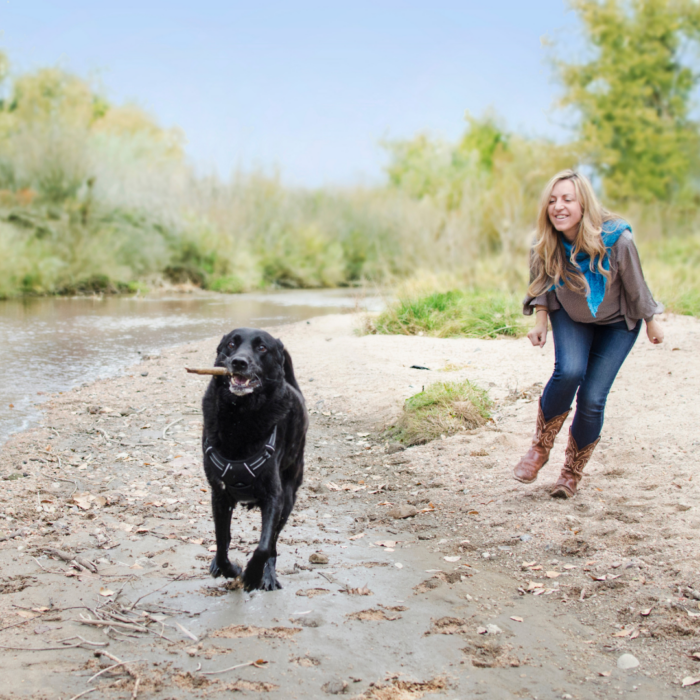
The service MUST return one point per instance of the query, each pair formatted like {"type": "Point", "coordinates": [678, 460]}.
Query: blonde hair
{"type": "Point", "coordinates": [551, 265]}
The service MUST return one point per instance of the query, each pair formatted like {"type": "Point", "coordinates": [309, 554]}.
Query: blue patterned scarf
{"type": "Point", "coordinates": [612, 230]}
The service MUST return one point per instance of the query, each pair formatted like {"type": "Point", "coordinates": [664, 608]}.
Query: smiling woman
{"type": "Point", "coordinates": [587, 278]}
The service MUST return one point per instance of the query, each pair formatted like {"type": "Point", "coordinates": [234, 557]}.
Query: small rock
{"type": "Point", "coordinates": [403, 511]}
{"type": "Point", "coordinates": [627, 661]}
{"type": "Point", "coordinates": [335, 687]}
{"type": "Point", "coordinates": [318, 558]}
{"type": "Point", "coordinates": [307, 620]}
{"type": "Point", "coordinates": [493, 629]}
{"type": "Point", "coordinates": [394, 448]}
{"type": "Point", "coordinates": [525, 538]}
{"type": "Point", "coordinates": [144, 374]}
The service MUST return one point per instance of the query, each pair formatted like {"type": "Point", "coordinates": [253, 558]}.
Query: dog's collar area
{"type": "Point", "coordinates": [242, 472]}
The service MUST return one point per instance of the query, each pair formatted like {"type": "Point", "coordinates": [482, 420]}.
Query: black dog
{"type": "Point", "coordinates": [255, 424]}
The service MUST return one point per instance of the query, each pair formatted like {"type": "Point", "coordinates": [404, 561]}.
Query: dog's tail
{"type": "Point", "coordinates": [289, 371]}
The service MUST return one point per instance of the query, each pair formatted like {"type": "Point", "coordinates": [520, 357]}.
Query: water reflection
{"type": "Point", "coordinates": [49, 344]}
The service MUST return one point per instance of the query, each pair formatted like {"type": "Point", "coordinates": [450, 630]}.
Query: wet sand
{"type": "Point", "coordinates": [492, 589]}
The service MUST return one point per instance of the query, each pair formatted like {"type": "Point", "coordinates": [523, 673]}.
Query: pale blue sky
{"type": "Point", "coordinates": [308, 87]}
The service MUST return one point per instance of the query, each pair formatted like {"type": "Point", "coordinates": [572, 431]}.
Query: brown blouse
{"type": "Point", "coordinates": [627, 297]}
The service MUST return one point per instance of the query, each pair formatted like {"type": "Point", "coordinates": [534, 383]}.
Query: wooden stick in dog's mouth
{"type": "Point", "coordinates": [215, 371]}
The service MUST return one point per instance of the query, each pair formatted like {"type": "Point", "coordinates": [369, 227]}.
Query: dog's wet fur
{"type": "Point", "coordinates": [240, 413]}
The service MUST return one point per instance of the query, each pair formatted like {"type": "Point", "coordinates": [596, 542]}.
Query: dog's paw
{"type": "Point", "coordinates": [269, 578]}
{"type": "Point", "coordinates": [227, 569]}
{"type": "Point", "coordinates": [253, 574]}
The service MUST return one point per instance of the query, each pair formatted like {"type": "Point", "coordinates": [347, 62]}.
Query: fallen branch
{"type": "Point", "coordinates": [67, 646]}
{"type": "Point", "coordinates": [231, 668]}
{"type": "Point", "coordinates": [213, 371]}
{"type": "Point", "coordinates": [61, 555]}
{"type": "Point", "coordinates": [70, 481]}
{"type": "Point", "coordinates": [145, 595]}
{"type": "Point", "coordinates": [136, 689]}
{"type": "Point", "coordinates": [187, 632]}
{"type": "Point", "coordinates": [85, 692]}
{"type": "Point", "coordinates": [57, 456]}
{"type": "Point", "coordinates": [121, 663]}
{"type": "Point", "coordinates": [104, 433]}
{"type": "Point", "coordinates": [40, 566]}
{"type": "Point", "coordinates": [84, 641]}
{"type": "Point", "coordinates": [112, 623]}
{"type": "Point", "coordinates": [170, 425]}
{"type": "Point", "coordinates": [86, 564]}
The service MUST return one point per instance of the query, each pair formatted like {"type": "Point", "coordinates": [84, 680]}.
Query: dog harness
{"type": "Point", "coordinates": [242, 472]}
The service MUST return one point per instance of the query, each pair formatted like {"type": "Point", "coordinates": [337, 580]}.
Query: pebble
{"type": "Point", "coordinates": [314, 620]}
{"type": "Point", "coordinates": [525, 538]}
{"type": "Point", "coordinates": [403, 511]}
{"type": "Point", "coordinates": [335, 687]}
{"type": "Point", "coordinates": [493, 629]}
{"type": "Point", "coordinates": [317, 558]}
{"type": "Point", "coordinates": [627, 661]}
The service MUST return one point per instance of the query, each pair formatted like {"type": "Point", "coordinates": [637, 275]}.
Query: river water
{"type": "Point", "coordinates": [49, 345]}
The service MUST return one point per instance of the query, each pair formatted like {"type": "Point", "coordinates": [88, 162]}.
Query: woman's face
{"type": "Point", "coordinates": [564, 210]}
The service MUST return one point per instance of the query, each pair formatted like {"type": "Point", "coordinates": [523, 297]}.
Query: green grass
{"type": "Point", "coordinates": [443, 408]}
{"type": "Point", "coordinates": [455, 314]}
{"type": "Point", "coordinates": [672, 270]}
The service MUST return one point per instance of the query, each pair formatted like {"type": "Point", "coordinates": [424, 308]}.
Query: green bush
{"type": "Point", "coordinates": [443, 408]}
{"type": "Point", "coordinates": [672, 270]}
{"type": "Point", "coordinates": [474, 314]}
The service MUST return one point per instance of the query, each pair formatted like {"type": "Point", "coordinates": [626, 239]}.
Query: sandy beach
{"type": "Point", "coordinates": [487, 587]}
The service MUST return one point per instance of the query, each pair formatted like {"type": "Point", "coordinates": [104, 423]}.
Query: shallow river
{"type": "Point", "coordinates": [52, 344]}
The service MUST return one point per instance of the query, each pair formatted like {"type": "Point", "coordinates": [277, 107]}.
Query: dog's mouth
{"type": "Point", "coordinates": [240, 385]}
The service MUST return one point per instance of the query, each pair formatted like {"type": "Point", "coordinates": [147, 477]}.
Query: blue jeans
{"type": "Point", "coordinates": [588, 357]}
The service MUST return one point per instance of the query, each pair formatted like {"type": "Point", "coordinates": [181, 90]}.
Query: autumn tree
{"type": "Point", "coordinates": [634, 94]}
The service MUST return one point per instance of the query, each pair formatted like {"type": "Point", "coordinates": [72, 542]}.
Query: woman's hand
{"type": "Point", "coordinates": [654, 332]}
{"type": "Point", "coordinates": [538, 335]}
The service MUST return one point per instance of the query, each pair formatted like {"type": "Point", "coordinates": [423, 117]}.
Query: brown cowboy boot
{"type": "Point", "coordinates": [574, 462]}
{"type": "Point", "coordinates": [536, 457]}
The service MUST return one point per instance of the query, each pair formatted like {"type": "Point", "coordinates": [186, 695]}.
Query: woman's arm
{"type": "Point", "coordinates": [538, 335]}
{"type": "Point", "coordinates": [640, 302]}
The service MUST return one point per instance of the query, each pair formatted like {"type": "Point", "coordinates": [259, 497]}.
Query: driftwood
{"type": "Point", "coordinates": [215, 371]}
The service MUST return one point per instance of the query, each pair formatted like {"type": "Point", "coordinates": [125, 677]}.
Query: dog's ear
{"type": "Point", "coordinates": [222, 346]}
{"type": "Point", "coordinates": [288, 367]}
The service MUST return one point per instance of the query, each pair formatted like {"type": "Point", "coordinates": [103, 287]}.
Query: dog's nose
{"type": "Point", "coordinates": [239, 364]}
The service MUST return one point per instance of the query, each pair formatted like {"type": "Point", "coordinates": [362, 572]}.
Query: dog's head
{"type": "Point", "coordinates": [255, 360]}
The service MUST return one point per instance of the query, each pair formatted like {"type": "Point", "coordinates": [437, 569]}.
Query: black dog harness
{"type": "Point", "coordinates": [242, 472]}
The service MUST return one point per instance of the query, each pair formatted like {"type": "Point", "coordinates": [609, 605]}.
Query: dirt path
{"type": "Point", "coordinates": [492, 589]}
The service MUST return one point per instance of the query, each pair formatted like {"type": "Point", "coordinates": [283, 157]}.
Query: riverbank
{"type": "Point", "coordinates": [491, 588]}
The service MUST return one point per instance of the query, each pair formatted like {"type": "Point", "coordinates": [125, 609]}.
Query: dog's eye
{"type": "Point", "coordinates": [262, 348]}
{"type": "Point", "coordinates": [232, 345]}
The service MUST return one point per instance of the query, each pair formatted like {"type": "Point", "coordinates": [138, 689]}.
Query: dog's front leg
{"type": "Point", "coordinates": [269, 580]}
{"type": "Point", "coordinates": [253, 575]}
{"type": "Point", "coordinates": [221, 565]}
